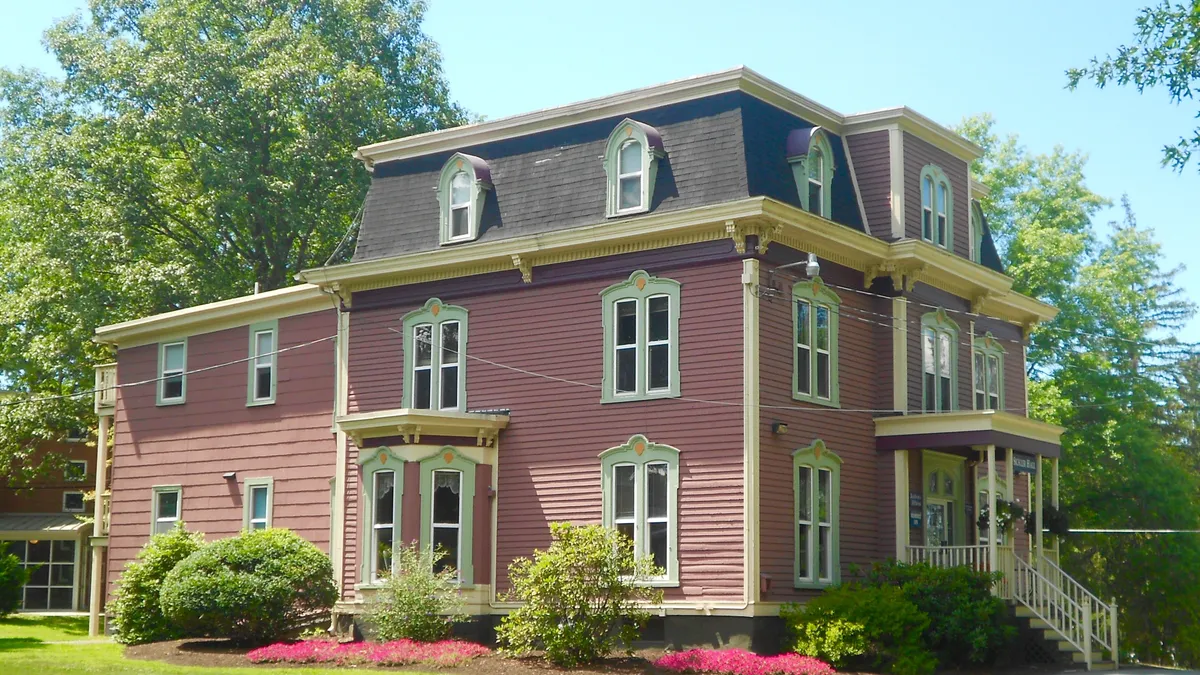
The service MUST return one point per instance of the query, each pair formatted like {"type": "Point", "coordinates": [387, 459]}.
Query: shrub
{"type": "Point", "coordinates": [12, 580]}
{"type": "Point", "coordinates": [967, 624]}
{"type": "Point", "coordinates": [878, 628]}
{"type": "Point", "coordinates": [134, 612]}
{"type": "Point", "coordinates": [415, 602]}
{"type": "Point", "coordinates": [741, 662]}
{"type": "Point", "coordinates": [250, 588]}
{"type": "Point", "coordinates": [444, 654]}
{"type": "Point", "coordinates": [581, 596]}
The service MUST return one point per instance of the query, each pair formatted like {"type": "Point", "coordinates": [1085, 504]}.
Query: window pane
{"type": "Point", "coordinates": [993, 375]}
{"type": "Point", "coordinates": [264, 343]}
{"type": "Point", "coordinates": [626, 529]}
{"type": "Point", "coordinates": [173, 357]}
{"type": "Point", "coordinates": [941, 198]}
{"type": "Point", "coordinates": [450, 342]}
{"type": "Point", "coordinates": [39, 576]}
{"type": "Point", "coordinates": [17, 548]}
{"type": "Point", "coordinates": [822, 328]}
{"type": "Point", "coordinates": [816, 164]}
{"type": "Point", "coordinates": [944, 362]}
{"type": "Point", "coordinates": [447, 490]}
{"type": "Point", "coordinates": [73, 501]}
{"type": "Point", "coordinates": [927, 193]}
{"type": "Point", "coordinates": [383, 550]}
{"type": "Point", "coordinates": [803, 337]}
{"type": "Point", "coordinates": [822, 375]}
{"type": "Point", "coordinates": [623, 492]}
{"type": "Point", "coordinates": [980, 402]}
{"type": "Point", "coordinates": [422, 345]}
{"type": "Point", "coordinates": [62, 575]}
{"type": "Point", "coordinates": [626, 370]}
{"type": "Point", "coordinates": [385, 497]}
{"type": "Point", "coordinates": [934, 484]}
{"type": "Point", "coordinates": [258, 502]}
{"type": "Point", "coordinates": [994, 402]}
{"type": "Point", "coordinates": [62, 598]}
{"type": "Point", "coordinates": [168, 505]}
{"type": "Point", "coordinates": [631, 158]}
{"type": "Point", "coordinates": [803, 370]}
{"type": "Point", "coordinates": [941, 233]}
{"type": "Point", "coordinates": [63, 550]}
{"type": "Point", "coordinates": [458, 221]}
{"type": "Point", "coordinates": [422, 381]}
{"type": "Point", "coordinates": [803, 541]}
{"type": "Point", "coordinates": [927, 224]}
{"type": "Point", "coordinates": [944, 392]}
{"type": "Point", "coordinates": [804, 493]}
{"type": "Point", "coordinates": [631, 192]}
{"type": "Point", "coordinates": [824, 496]}
{"type": "Point", "coordinates": [460, 188]}
{"type": "Point", "coordinates": [980, 374]}
{"type": "Point", "coordinates": [449, 387]}
{"type": "Point", "coordinates": [660, 312]}
{"type": "Point", "coordinates": [824, 553]}
{"type": "Point", "coordinates": [930, 392]}
{"type": "Point", "coordinates": [660, 361]}
{"type": "Point", "coordinates": [947, 484]}
{"type": "Point", "coordinates": [927, 360]}
{"type": "Point", "coordinates": [172, 387]}
{"type": "Point", "coordinates": [627, 322]}
{"type": "Point", "coordinates": [36, 598]}
{"type": "Point", "coordinates": [656, 490]}
{"type": "Point", "coordinates": [658, 544]}
{"type": "Point", "coordinates": [814, 198]}
{"type": "Point", "coordinates": [446, 538]}
{"type": "Point", "coordinates": [262, 383]}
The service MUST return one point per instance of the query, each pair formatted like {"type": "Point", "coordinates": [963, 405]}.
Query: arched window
{"type": "Point", "coordinates": [447, 510]}
{"type": "Point", "coordinates": [815, 329]}
{"type": "Point", "coordinates": [631, 162]}
{"type": "Point", "coordinates": [811, 157]}
{"type": "Point", "coordinates": [435, 361]}
{"type": "Point", "coordinates": [939, 358]}
{"type": "Point", "coordinates": [816, 476]}
{"type": "Point", "coordinates": [641, 339]}
{"type": "Point", "coordinates": [988, 366]}
{"type": "Point", "coordinates": [977, 221]}
{"type": "Point", "coordinates": [937, 207]}
{"type": "Point", "coordinates": [640, 484]}
{"type": "Point", "coordinates": [462, 190]}
{"type": "Point", "coordinates": [383, 491]}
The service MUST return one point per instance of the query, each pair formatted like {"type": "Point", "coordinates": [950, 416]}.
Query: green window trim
{"type": "Point", "coordinates": [640, 288]}
{"type": "Point", "coordinates": [815, 169]}
{"type": "Point", "coordinates": [811, 466]}
{"type": "Point", "coordinates": [939, 359]}
{"type": "Point", "coordinates": [255, 364]}
{"type": "Point", "coordinates": [976, 232]}
{"type": "Point", "coordinates": [158, 524]}
{"type": "Point", "coordinates": [160, 386]}
{"type": "Point", "coordinates": [810, 300]}
{"type": "Point", "coordinates": [933, 181]}
{"type": "Point", "coordinates": [450, 459]}
{"type": "Point", "coordinates": [437, 315]}
{"type": "Point", "coordinates": [638, 451]}
{"type": "Point", "coordinates": [370, 462]}
{"type": "Point", "coordinates": [477, 172]}
{"type": "Point", "coordinates": [248, 488]}
{"type": "Point", "coordinates": [627, 133]}
{"type": "Point", "coordinates": [987, 374]}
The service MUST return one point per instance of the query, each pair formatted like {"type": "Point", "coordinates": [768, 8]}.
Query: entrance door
{"type": "Point", "coordinates": [943, 499]}
{"type": "Point", "coordinates": [939, 523]}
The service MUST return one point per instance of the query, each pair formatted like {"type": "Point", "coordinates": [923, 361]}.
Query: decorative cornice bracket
{"type": "Point", "coordinates": [411, 433]}
{"type": "Point", "coordinates": [525, 265]}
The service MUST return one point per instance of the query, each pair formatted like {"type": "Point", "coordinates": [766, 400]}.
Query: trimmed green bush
{"type": "Point", "coordinates": [12, 579]}
{"type": "Point", "coordinates": [251, 588]}
{"type": "Point", "coordinates": [414, 602]}
{"type": "Point", "coordinates": [861, 627]}
{"type": "Point", "coordinates": [134, 612]}
{"type": "Point", "coordinates": [967, 624]}
{"type": "Point", "coordinates": [581, 596]}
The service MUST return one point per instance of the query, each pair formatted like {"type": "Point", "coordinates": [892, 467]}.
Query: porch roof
{"type": "Point", "coordinates": [967, 428]}
{"type": "Point", "coordinates": [40, 525]}
{"type": "Point", "coordinates": [411, 423]}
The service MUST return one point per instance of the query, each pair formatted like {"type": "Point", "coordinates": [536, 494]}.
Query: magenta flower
{"type": "Point", "coordinates": [742, 662]}
{"type": "Point", "coordinates": [447, 653]}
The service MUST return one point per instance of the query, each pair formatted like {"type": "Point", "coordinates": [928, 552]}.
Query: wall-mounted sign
{"type": "Point", "coordinates": [1023, 463]}
{"type": "Point", "coordinates": [916, 504]}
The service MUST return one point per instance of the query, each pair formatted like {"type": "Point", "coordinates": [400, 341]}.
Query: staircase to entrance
{"type": "Point", "coordinates": [1067, 613]}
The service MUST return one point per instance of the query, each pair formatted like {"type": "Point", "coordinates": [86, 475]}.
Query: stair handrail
{"type": "Point", "coordinates": [1075, 613]}
{"type": "Point", "coordinates": [1073, 584]}
{"type": "Point", "coordinates": [1103, 616]}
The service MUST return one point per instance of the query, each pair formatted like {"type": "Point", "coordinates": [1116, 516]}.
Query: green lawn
{"type": "Point", "coordinates": [27, 648]}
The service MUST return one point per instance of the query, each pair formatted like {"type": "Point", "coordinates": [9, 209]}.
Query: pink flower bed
{"type": "Point", "coordinates": [444, 654]}
{"type": "Point", "coordinates": [742, 662]}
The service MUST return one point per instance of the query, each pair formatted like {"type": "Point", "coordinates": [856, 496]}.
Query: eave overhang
{"type": "Point", "coordinates": [630, 102]}
{"type": "Point", "coordinates": [906, 261]}
{"type": "Point", "coordinates": [215, 316]}
{"type": "Point", "coordinates": [968, 428]}
{"type": "Point", "coordinates": [411, 424]}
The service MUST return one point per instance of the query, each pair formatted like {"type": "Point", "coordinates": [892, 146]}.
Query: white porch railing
{"type": "Point", "coordinates": [1070, 609]}
{"type": "Point", "coordinates": [975, 557]}
{"type": "Point", "coordinates": [106, 393]}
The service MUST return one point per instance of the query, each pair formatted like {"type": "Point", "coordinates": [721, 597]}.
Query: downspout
{"type": "Point", "coordinates": [750, 428]}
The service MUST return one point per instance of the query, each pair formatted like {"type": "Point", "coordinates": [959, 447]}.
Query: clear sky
{"type": "Point", "coordinates": [947, 60]}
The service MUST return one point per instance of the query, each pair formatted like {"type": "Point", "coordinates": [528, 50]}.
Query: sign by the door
{"type": "Point", "coordinates": [916, 504]}
{"type": "Point", "coordinates": [1023, 463]}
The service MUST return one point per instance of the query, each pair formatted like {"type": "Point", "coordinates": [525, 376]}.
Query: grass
{"type": "Point", "coordinates": [27, 645]}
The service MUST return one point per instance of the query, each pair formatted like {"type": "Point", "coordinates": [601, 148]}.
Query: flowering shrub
{"type": "Point", "coordinates": [444, 654]}
{"type": "Point", "coordinates": [741, 662]}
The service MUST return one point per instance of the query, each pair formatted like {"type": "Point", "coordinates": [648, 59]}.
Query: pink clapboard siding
{"type": "Point", "coordinates": [873, 171]}
{"type": "Point", "coordinates": [215, 432]}
{"type": "Point", "coordinates": [548, 466]}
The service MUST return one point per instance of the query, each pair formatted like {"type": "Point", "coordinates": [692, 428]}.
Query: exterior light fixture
{"type": "Point", "coordinates": [812, 268]}
{"type": "Point", "coordinates": [779, 428]}
{"type": "Point", "coordinates": [230, 475]}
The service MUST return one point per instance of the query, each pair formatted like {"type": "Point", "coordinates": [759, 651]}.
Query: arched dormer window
{"type": "Point", "coordinates": [462, 189]}
{"type": "Point", "coordinates": [937, 207]}
{"type": "Point", "coordinates": [631, 163]}
{"type": "Point", "coordinates": [939, 359]}
{"type": "Point", "coordinates": [811, 157]}
{"type": "Point", "coordinates": [977, 221]}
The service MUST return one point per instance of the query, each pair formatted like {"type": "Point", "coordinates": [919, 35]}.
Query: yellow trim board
{"type": "Point", "coordinates": [968, 420]}
{"type": "Point", "coordinates": [411, 424]}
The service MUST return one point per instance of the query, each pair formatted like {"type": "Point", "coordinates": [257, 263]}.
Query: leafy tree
{"type": "Point", "coordinates": [1166, 41]}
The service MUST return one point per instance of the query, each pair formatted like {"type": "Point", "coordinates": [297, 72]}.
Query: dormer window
{"type": "Point", "coordinates": [811, 157]}
{"type": "Point", "coordinates": [461, 193]}
{"type": "Point", "coordinates": [937, 205]}
{"type": "Point", "coordinates": [631, 163]}
{"type": "Point", "coordinates": [977, 221]}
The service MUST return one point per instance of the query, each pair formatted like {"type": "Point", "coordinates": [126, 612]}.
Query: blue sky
{"type": "Point", "coordinates": [948, 60]}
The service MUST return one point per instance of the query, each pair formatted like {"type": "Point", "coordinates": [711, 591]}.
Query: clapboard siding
{"type": "Point", "coordinates": [548, 466]}
{"type": "Point", "coordinates": [866, 486]}
{"type": "Point", "coordinates": [918, 154]}
{"type": "Point", "coordinates": [215, 432]}
{"type": "Point", "coordinates": [873, 170]}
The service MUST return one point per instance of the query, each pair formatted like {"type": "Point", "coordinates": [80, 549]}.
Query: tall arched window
{"type": "Point", "coordinates": [447, 510]}
{"type": "Point", "coordinates": [988, 366]}
{"type": "Point", "coordinates": [641, 339]}
{"type": "Point", "coordinates": [435, 361]}
{"type": "Point", "coordinates": [815, 309]}
{"type": "Point", "coordinates": [811, 157]}
{"type": "Point", "coordinates": [383, 491]}
{"type": "Point", "coordinates": [937, 207]}
{"type": "Point", "coordinates": [631, 162]}
{"type": "Point", "coordinates": [939, 359]}
{"type": "Point", "coordinates": [816, 476]}
{"type": "Point", "coordinates": [462, 190]}
{"type": "Point", "coordinates": [640, 484]}
{"type": "Point", "coordinates": [977, 221]}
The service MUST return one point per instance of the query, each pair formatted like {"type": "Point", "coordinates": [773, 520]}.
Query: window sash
{"type": "Point", "coordinates": [455, 557]}
{"type": "Point", "coordinates": [943, 198]}
{"type": "Point", "coordinates": [258, 518]}
{"type": "Point", "coordinates": [624, 176]}
{"type": "Point", "coordinates": [804, 347]}
{"type": "Point", "coordinates": [424, 349]}
{"type": "Point", "coordinates": [264, 364]}
{"type": "Point", "coordinates": [448, 361]}
{"type": "Point", "coordinates": [383, 531]}
{"type": "Point", "coordinates": [938, 370]}
{"type": "Point", "coordinates": [640, 521]}
{"type": "Point", "coordinates": [164, 523]}
{"type": "Point", "coordinates": [630, 350]}
{"type": "Point", "coordinates": [663, 344]}
{"type": "Point", "coordinates": [927, 209]}
{"type": "Point", "coordinates": [171, 373]}
{"type": "Point", "coordinates": [804, 520]}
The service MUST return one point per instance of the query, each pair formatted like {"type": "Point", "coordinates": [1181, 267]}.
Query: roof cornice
{"type": "Point", "coordinates": [629, 102]}
{"type": "Point", "coordinates": [215, 316]}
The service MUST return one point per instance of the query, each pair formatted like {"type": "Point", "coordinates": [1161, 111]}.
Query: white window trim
{"type": "Point", "coordinates": [248, 487]}
{"type": "Point", "coordinates": [156, 492]}
{"type": "Point", "coordinates": [163, 374]}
